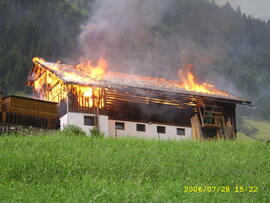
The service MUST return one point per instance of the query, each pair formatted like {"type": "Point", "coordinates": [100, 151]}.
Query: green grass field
{"type": "Point", "coordinates": [84, 169]}
{"type": "Point", "coordinates": [262, 130]}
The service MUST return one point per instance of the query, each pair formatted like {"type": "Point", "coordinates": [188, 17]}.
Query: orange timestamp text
{"type": "Point", "coordinates": [223, 189]}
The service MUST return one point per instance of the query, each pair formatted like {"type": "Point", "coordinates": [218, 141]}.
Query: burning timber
{"type": "Point", "coordinates": [121, 104]}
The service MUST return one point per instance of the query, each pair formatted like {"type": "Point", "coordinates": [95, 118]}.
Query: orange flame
{"type": "Point", "coordinates": [49, 87]}
{"type": "Point", "coordinates": [189, 83]}
{"type": "Point", "coordinates": [94, 72]}
{"type": "Point", "coordinates": [36, 59]}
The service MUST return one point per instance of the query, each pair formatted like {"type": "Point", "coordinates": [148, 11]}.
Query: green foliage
{"type": "Point", "coordinates": [83, 169]}
{"type": "Point", "coordinates": [36, 28]}
{"type": "Point", "coordinates": [256, 129]}
{"type": "Point", "coordinates": [249, 130]}
{"type": "Point", "coordinates": [95, 132]}
{"type": "Point", "coordinates": [72, 130]}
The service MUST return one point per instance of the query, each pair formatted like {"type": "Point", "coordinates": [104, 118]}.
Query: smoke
{"type": "Point", "coordinates": [128, 33]}
{"type": "Point", "coordinates": [157, 38]}
{"type": "Point", "coordinates": [125, 33]}
{"type": "Point", "coordinates": [116, 26]}
{"type": "Point", "coordinates": [136, 37]}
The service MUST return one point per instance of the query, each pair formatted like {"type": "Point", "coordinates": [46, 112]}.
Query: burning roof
{"type": "Point", "coordinates": [89, 75]}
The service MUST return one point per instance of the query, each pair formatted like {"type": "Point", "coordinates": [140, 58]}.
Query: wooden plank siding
{"type": "Point", "coordinates": [214, 121]}
{"type": "Point", "coordinates": [30, 106]}
{"type": "Point", "coordinates": [29, 112]}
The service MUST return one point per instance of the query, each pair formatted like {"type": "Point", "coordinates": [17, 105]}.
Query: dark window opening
{"type": "Point", "coordinates": [89, 120]}
{"type": "Point", "coordinates": [119, 126]}
{"type": "Point", "coordinates": [140, 127]}
{"type": "Point", "coordinates": [26, 120]}
{"type": "Point", "coordinates": [1, 116]}
{"type": "Point", "coordinates": [208, 116]}
{"type": "Point", "coordinates": [8, 117]}
{"type": "Point", "coordinates": [161, 129]}
{"type": "Point", "coordinates": [211, 114]}
{"type": "Point", "coordinates": [209, 133]}
{"type": "Point", "coordinates": [181, 131]}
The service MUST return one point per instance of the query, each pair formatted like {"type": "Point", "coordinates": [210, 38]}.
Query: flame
{"type": "Point", "coordinates": [87, 91]}
{"type": "Point", "coordinates": [38, 60]}
{"type": "Point", "coordinates": [55, 81]}
{"type": "Point", "coordinates": [189, 83]}
{"type": "Point", "coordinates": [49, 87]}
{"type": "Point", "coordinates": [93, 72]}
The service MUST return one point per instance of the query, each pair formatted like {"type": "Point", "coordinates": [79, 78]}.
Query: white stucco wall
{"type": "Point", "coordinates": [77, 119]}
{"type": "Point", "coordinates": [108, 127]}
{"type": "Point", "coordinates": [63, 121]}
{"type": "Point", "coordinates": [150, 131]}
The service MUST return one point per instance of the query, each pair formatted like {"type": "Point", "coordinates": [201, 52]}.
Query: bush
{"type": "Point", "coordinates": [72, 130]}
{"type": "Point", "coordinates": [95, 132]}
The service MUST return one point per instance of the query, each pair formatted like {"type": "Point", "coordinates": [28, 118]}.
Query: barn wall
{"type": "Point", "coordinates": [77, 119]}
{"type": "Point", "coordinates": [150, 131]}
{"type": "Point", "coordinates": [30, 106]}
{"type": "Point", "coordinates": [108, 127]}
{"type": "Point", "coordinates": [64, 121]}
{"type": "Point", "coordinates": [28, 112]}
{"type": "Point", "coordinates": [154, 113]}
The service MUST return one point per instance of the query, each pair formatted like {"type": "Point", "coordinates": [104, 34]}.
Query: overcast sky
{"type": "Point", "coordinates": [257, 8]}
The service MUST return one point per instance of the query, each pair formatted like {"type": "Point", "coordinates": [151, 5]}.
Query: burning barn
{"type": "Point", "coordinates": [121, 104]}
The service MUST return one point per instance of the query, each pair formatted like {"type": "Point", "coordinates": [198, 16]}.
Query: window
{"type": "Point", "coordinates": [8, 117]}
{"type": "Point", "coordinates": [181, 131]}
{"type": "Point", "coordinates": [161, 129]}
{"type": "Point", "coordinates": [89, 120]}
{"type": "Point", "coordinates": [119, 126]}
{"type": "Point", "coordinates": [140, 127]}
{"type": "Point", "coordinates": [211, 115]}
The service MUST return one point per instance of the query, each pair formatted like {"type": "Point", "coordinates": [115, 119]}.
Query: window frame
{"type": "Point", "coordinates": [141, 125]}
{"type": "Point", "coordinates": [93, 122]}
{"type": "Point", "coordinates": [181, 129]}
{"type": "Point", "coordinates": [161, 127]}
{"type": "Point", "coordinates": [117, 123]}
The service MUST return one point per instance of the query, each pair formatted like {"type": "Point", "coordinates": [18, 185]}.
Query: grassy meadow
{"type": "Point", "coordinates": [70, 168]}
{"type": "Point", "coordinates": [258, 130]}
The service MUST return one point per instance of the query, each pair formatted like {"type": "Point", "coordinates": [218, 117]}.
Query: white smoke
{"type": "Point", "coordinates": [122, 31]}
{"type": "Point", "coordinates": [116, 26]}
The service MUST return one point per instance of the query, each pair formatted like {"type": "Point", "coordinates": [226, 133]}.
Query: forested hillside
{"type": "Point", "coordinates": [35, 28]}
{"type": "Point", "coordinates": [228, 48]}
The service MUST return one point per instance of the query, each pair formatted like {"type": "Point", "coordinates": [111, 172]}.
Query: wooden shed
{"type": "Point", "coordinates": [25, 111]}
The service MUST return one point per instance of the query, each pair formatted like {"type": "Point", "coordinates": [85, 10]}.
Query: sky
{"type": "Point", "coordinates": [257, 8]}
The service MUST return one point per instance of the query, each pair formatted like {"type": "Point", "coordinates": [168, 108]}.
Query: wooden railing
{"type": "Point", "coordinates": [11, 122]}
{"type": "Point", "coordinates": [7, 128]}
